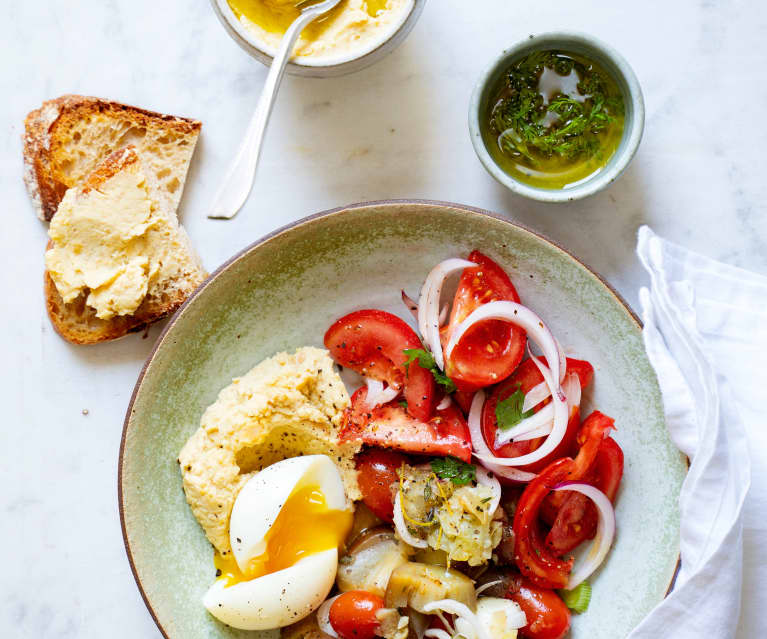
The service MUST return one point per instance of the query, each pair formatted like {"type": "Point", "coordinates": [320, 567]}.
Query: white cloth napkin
{"type": "Point", "coordinates": [705, 331]}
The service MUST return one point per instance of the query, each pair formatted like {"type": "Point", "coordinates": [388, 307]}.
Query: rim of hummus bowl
{"type": "Point", "coordinates": [248, 39]}
{"type": "Point", "coordinates": [310, 219]}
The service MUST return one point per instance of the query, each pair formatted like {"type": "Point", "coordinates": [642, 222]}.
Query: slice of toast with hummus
{"type": "Point", "coordinates": [117, 259]}
{"type": "Point", "coordinates": [66, 138]}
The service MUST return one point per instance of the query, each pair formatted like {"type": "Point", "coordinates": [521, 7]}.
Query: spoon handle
{"type": "Point", "coordinates": [238, 183]}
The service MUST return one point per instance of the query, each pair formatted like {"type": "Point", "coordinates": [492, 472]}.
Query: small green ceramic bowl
{"type": "Point", "coordinates": [285, 290]}
{"type": "Point", "coordinates": [588, 46]}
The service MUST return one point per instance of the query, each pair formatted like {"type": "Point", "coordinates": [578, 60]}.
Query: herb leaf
{"type": "Point", "coordinates": [426, 360]}
{"type": "Point", "coordinates": [454, 469]}
{"type": "Point", "coordinates": [508, 412]}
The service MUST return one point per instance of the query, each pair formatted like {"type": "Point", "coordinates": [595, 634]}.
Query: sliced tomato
{"type": "Point", "coordinates": [533, 557]}
{"type": "Point", "coordinates": [547, 615]}
{"type": "Point", "coordinates": [576, 518]}
{"type": "Point", "coordinates": [525, 378]}
{"type": "Point", "coordinates": [372, 343]}
{"type": "Point", "coordinates": [490, 351]}
{"type": "Point", "coordinates": [377, 472]}
{"type": "Point", "coordinates": [464, 399]}
{"type": "Point", "coordinates": [389, 426]}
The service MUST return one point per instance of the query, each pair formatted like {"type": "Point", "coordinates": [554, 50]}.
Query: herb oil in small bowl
{"type": "Point", "coordinates": [557, 118]}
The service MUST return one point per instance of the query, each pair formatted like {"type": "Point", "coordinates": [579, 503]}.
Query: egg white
{"type": "Point", "coordinates": [260, 500]}
{"type": "Point", "coordinates": [285, 596]}
{"type": "Point", "coordinates": [277, 599]}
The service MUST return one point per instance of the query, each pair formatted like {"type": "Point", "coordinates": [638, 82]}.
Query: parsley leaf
{"type": "Point", "coordinates": [509, 413]}
{"type": "Point", "coordinates": [403, 403]}
{"type": "Point", "coordinates": [426, 360]}
{"type": "Point", "coordinates": [452, 468]}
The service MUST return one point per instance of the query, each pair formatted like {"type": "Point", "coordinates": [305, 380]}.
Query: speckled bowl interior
{"type": "Point", "coordinates": [283, 291]}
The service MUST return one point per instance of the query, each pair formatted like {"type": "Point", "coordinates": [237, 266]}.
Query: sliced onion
{"type": "Point", "coordinates": [323, 617]}
{"type": "Point", "coordinates": [428, 305]}
{"type": "Point", "coordinates": [520, 316]}
{"type": "Point", "coordinates": [541, 423]}
{"type": "Point", "coordinates": [437, 633]}
{"type": "Point", "coordinates": [605, 531]}
{"type": "Point", "coordinates": [443, 315]}
{"type": "Point", "coordinates": [541, 431]}
{"type": "Point", "coordinates": [446, 401]}
{"type": "Point", "coordinates": [486, 586]}
{"type": "Point", "coordinates": [487, 479]}
{"type": "Point", "coordinates": [536, 421]}
{"type": "Point", "coordinates": [481, 448]}
{"type": "Point", "coordinates": [562, 361]}
{"type": "Point", "coordinates": [377, 394]}
{"type": "Point", "coordinates": [535, 396]}
{"type": "Point", "coordinates": [462, 611]}
{"type": "Point", "coordinates": [558, 430]}
{"type": "Point", "coordinates": [410, 303]}
{"type": "Point", "coordinates": [401, 528]}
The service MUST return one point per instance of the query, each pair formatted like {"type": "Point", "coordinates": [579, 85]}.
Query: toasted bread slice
{"type": "Point", "coordinates": [76, 320]}
{"type": "Point", "coordinates": [66, 138]}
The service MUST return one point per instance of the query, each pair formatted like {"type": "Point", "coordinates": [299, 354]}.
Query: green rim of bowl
{"type": "Point", "coordinates": [595, 49]}
{"type": "Point", "coordinates": [464, 215]}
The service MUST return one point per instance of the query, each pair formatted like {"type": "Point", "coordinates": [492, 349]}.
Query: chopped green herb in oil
{"type": "Point", "coordinates": [554, 119]}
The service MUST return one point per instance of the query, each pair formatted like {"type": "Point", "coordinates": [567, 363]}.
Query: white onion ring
{"type": "Point", "coordinates": [558, 430]}
{"type": "Point", "coordinates": [520, 316]}
{"type": "Point", "coordinates": [535, 396]}
{"type": "Point", "coordinates": [437, 633]}
{"type": "Point", "coordinates": [410, 303]}
{"type": "Point", "coordinates": [446, 401]}
{"type": "Point", "coordinates": [428, 305]}
{"type": "Point", "coordinates": [486, 479]}
{"type": "Point", "coordinates": [401, 528]}
{"type": "Point", "coordinates": [489, 584]}
{"type": "Point", "coordinates": [562, 361]}
{"type": "Point", "coordinates": [605, 531]}
{"type": "Point", "coordinates": [481, 448]}
{"type": "Point", "coordinates": [413, 308]}
{"type": "Point", "coordinates": [462, 611]}
{"type": "Point", "coordinates": [377, 394]}
{"type": "Point", "coordinates": [323, 617]}
{"type": "Point", "coordinates": [541, 423]}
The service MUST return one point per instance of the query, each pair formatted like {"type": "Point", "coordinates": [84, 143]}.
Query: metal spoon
{"type": "Point", "coordinates": [238, 183]}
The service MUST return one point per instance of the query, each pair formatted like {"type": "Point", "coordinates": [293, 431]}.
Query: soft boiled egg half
{"type": "Point", "coordinates": [287, 524]}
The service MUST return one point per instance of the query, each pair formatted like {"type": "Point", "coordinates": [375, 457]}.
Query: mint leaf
{"type": "Point", "coordinates": [454, 469]}
{"type": "Point", "coordinates": [509, 413]}
{"type": "Point", "coordinates": [426, 360]}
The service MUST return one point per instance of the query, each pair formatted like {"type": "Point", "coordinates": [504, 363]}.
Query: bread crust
{"type": "Point", "coordinates": [75, 321]}
{"type": "Point", "coordinates": [45, 185]}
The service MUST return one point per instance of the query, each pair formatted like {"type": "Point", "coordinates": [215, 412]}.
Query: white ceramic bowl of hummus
{"type": "Point", "coordinates": [354, 35]}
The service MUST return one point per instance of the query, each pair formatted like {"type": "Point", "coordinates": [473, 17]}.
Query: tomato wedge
{"type": "Point", "coordinates": [576, 519]}
{"type": "Point", "coordinates": [372, 343]}
{"type": "Point", "coordinates": [490, 351]}
{"type": "Point", "coordinates": [526, 377]}
{"type": "Point", "coordinates": [533, 557]}
{"type": "Point", "coordinates": [390, 426]}
{"type": "Point", "coordinates": [547, 615]}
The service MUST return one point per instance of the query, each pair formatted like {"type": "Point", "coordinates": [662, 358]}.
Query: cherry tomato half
{"type": "Point", "coordinates": [389, 426]}
{"type": "Point", "coordinates": [547, 615]}
{"type": "Point", "coordinates": [353, 614]}
{"type": "Point", "coordinates": [372, 343]}
{"type": "Point", "coordinates": [490, 351]}
{"type": "Point", "coordinates": [377, 472]}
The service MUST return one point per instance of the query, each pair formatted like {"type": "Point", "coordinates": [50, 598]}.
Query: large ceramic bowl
{"type": "Point", "coordinates": [283, 291]}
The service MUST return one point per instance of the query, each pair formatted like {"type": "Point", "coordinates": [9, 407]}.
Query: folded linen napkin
{"type": "Point", "coordinates": [705, 332]}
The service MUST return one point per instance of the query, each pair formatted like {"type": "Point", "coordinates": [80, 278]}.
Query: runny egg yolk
{"type": "Point", "coordinates": [304, 526]}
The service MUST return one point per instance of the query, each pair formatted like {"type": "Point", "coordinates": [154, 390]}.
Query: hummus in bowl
{"type": "Point", "coordinates": [353, 35]}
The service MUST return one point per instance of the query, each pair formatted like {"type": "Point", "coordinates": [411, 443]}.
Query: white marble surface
{"type": "Point", "coordinates": [395, 130]}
